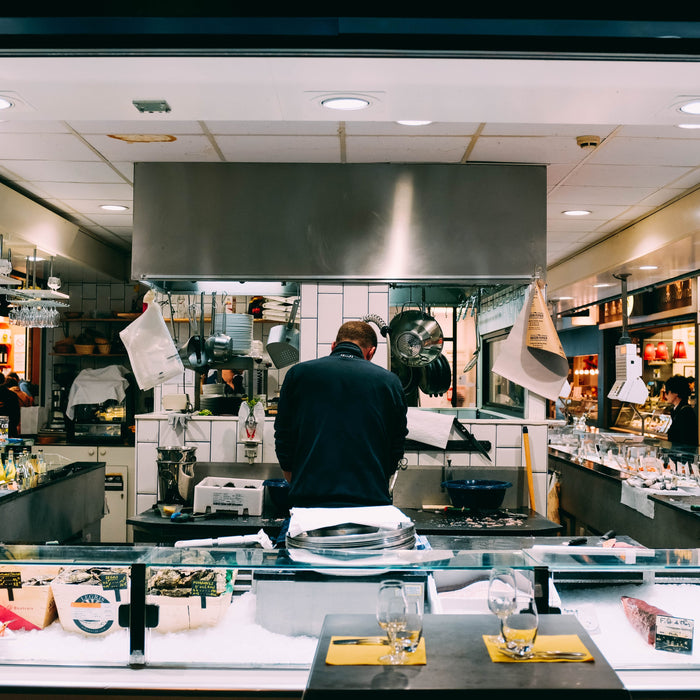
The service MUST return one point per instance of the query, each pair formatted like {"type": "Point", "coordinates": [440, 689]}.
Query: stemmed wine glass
{"type": "Point", "coordinates": [411, 635]}
{"type": "Point", "coordinates": [520, 625]}
{"type": "Point", "coordinates": [502, 596]}
{"type": "Point", "coordinates": [391, 616]}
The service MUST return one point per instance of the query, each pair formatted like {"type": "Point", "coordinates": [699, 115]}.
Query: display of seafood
{"type": "Point", "coordinates": [642, 615]}
{"type": "Point", "coordinates": [177, 583]}
{"type": "Point", "coordinates": [88, 576]}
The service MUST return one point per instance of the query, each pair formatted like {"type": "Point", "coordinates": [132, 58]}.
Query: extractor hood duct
{"type": "Point", "coordinates": [351, 222]}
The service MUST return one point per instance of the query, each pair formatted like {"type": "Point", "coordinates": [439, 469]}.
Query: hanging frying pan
{"type": "Point", "coordinates": [415, 337]}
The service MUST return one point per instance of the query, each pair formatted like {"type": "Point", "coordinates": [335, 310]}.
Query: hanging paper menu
{"type": "Point", "coordinates": [532, 355]}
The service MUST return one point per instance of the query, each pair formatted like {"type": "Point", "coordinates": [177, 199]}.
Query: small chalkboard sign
{"type": "Point", "coordinates": [10, 580]}
{"type": "Point", "coordinates": [114, 582]}
{"type": "Point", "coordinates": [204, 589]}
{"type": "Point", "coordinates": [674, 634]}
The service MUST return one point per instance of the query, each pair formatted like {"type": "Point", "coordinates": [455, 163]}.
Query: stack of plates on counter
{"type": "Point", "coordinates": [239, 327]}
{"type": "Point", "coordinates": [278, 308]}
{"type": "Point", "coordinates": [351, 536]}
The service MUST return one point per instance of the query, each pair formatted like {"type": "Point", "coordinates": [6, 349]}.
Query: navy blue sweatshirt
{"type": "Point", "coordinates": [340, 430]}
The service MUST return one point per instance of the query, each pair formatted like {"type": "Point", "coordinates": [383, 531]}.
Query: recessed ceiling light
{"type": "Point", "coordinates": [6, 103]}
{"type": "Point", "coordinates": [648, 267]}
{"type": "Point", "coordinates": [565, 299]}
{"type": "Point", "coordinates": [346, 103]}
{"type": "Point", "coordinates": [34, 258]}
{"type": "Point", "coordinates": [601, 285]}
{"type": "Point", "coordinates": [691, 107]}
{"type": "Point", "coordinates": [689, 126]}
{"type": "Point", "coordinates": [113, 207]}
{"type": "Point", "coordinates": [413, 123]}
{"type": "Point", "coordinates": [577, 212]}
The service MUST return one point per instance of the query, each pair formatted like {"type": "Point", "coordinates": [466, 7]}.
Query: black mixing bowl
{"type": "Point", "coordinates": [480, 494]}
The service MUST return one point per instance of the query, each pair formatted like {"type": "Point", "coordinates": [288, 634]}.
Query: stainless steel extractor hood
{"type": "Point", "coordinates": [352, 222]}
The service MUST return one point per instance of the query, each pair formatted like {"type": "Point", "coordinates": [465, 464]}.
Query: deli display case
{"type": "Point", "coordinates": [249, 618]}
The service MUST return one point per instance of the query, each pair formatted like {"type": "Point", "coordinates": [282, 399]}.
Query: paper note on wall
{"type": "Point", "coordinates": [532, 355]}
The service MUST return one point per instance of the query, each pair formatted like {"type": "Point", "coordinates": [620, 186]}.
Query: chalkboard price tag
{"type": "Point", "coordinates": [674, 634]}
{"type": "Point", "coordinates": [114, 582]}
{"type": "Point", "coordinates": [10, 580]}
{"type": "Point", "coordinates": [204, 589]}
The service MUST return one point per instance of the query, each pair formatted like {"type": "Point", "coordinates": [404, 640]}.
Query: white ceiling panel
{"type": "Point", "coordinates": [627, 175]}
{"type": "Point", "coordinates": [526, 149]}
{"type": "Point", "coordinates": [276, 128]}
{"type": "Point", "coordinates": [33, 127]}
{"type": "Point", "coordinates": [137, 126]}
{"type": "Point", "coordinates": [575, 197]}
{"type": "Point", "coordinates": [57, 171]}
{"type": "Point", "coordinates": [377, 149]}
{"type": "Point", "coordinates": [72, 190]}
{"type": "Point", "coordinates": [185, 147]}
{"type": "Point", "coordinates": [92, 206]}
{"type": "Point", "coordinates": [559, 130]}
{"type": "Point", "coordinates": [647, 151]}
{"type": "Point", "coordinates": [280, 149]}
{"type": "Point", "coordinates": [44, 147]}
{"type": "Point", "coordinates": [394, 129]}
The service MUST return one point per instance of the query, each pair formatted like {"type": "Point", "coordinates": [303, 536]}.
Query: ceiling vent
{"type": "Point", "coordinates": [151, 106]}
{"type": "Point", "coordinates": [588, 143]}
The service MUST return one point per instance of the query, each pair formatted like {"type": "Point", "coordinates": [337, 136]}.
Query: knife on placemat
{"type": "Point", "coordinates": [362, 640]}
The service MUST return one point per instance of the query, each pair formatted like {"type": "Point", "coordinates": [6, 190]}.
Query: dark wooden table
{"type": "Point", "coordinates": [459, 666]}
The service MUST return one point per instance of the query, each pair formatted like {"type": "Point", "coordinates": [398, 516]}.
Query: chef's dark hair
{"type": "Point", "coordinates": [357, 332]}
{"type": "Point", "coordinates": [678, 384]}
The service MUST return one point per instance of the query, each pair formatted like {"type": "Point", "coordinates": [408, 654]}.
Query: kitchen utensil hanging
{"type": "Point", "coordinates": [415, 337]}
{"type": "Point", "coordinates": [283, 342]}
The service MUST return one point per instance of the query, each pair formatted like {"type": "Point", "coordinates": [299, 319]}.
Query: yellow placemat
{"type": "Point", "coordinates": [368, 654]}
{"type": "Point", "coordinates": [544, 642]}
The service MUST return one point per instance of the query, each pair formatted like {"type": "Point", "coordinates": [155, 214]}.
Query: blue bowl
{"type": "Point", "coordinates": [480, 494]}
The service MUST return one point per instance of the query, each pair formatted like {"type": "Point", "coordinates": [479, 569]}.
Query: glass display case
{"type": "Point", "coordinates": [653, 423]}
{"type": "Point", "coordinates": [251, 609]}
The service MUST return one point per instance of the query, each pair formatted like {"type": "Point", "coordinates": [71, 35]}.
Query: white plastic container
{"type": "Point", "coordinates": [216, 493]}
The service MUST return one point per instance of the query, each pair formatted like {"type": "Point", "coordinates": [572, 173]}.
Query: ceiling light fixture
{"type": "Point", "coordinates": [601, 285]}
{"type": "Point", "coordinates": [689, 126]}
{"type": "Point", "coordinates": [692, 107]}
{"type": "Point", "coordinates": [113, 207]}
{"type": "Point", "coordinates": [648, 267]}
{"type": "Point", "coordinates": [6, 103]}
{"type": "Point", "coordinates": [577, 212]}
{"type": "Point", "coordinates": [346, 103]}
{"type": "Point", "coordinates": [413, 123]}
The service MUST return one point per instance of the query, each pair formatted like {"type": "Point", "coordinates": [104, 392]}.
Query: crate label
{"type": "Point", "coordinates": [92, 613]}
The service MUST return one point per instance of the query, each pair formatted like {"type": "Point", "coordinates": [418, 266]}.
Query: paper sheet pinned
{"type": "Point", "coordinates": [532, 355]}
{"type": "Point", "coordinates": [429, 427]}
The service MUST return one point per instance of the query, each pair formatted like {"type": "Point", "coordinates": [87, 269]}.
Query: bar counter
{"type": "Point", "coordinates": [590, 498]}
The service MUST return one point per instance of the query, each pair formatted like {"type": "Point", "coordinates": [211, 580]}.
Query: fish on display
{"type": "Point", "coordinates": [642, 615]}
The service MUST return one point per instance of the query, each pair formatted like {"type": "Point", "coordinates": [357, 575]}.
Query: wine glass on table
{"type": "Point", "coordinates": [520, 625]}
{"type": "Point", "coordinates": [502, 596]}
{"type": "Point", "coordinates": [411, 635]}
{"type": "Point", "coordinates": [391, 616]}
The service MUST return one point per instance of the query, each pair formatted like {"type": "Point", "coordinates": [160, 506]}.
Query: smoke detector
{"type": "Point", "coordinates": [588, 143]}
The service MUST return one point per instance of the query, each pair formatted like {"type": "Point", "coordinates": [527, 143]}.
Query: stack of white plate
{"type": "Point", "coordinates": [239, 327]}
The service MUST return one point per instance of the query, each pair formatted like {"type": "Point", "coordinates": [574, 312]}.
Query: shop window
{"type": "Point", "coordinates": [499, 393]}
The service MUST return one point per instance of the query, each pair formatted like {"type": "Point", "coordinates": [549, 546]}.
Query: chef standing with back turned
{"type": "Point", "coordinates": [341, 425]}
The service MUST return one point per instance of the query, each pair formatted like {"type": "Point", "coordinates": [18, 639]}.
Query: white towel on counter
{"type": "Point", "coordinates": [636, 498]}
{"type": "Point", "coordinates": [306, 519]}
{"type": "Point", "coordinates": [98, 386]}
